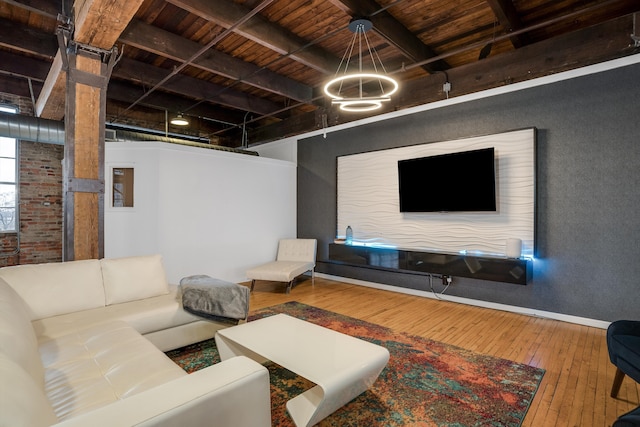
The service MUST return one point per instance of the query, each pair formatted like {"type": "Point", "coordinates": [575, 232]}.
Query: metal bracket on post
{"type": "Point", "coordinates": [107, 57]}
{"type": "Point", "coordinates": [83, 185]}
{"type": "Point", "coordinates": [104, 54]}
{"type": "Point", "coordinates": [113, 60]}
{"type": "Point", "coordinates": [64, 31]}
{"type": "Point", "coordinates": [66, 44]}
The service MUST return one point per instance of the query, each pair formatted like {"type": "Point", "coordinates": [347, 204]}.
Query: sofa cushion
{"type": "Point", "coordinates": [101, 364]}
{"type": "Point", "coordinates": [22, 402]}
{"type": "Point", "coordinates": [279, 271]}
{"type": "Point", "coordinates": [17, 338]}
{"type": "Point", "coordinates": [133, 278]}
{"type": "Point", "coordinates": [57, 288]}
{"type": "Point", "coordinates": [145, 316]}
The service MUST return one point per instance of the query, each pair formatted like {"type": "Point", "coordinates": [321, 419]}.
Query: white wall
{"type": "Point", "coordinates": [132, 231]}
{"type": "Point", "coordinates": [206, 211]}
{"type": "Point", "coordinates": [283, 149]}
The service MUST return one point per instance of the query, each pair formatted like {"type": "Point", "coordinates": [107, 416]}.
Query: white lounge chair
{"type": "Point", "coordinates": [295, 257]}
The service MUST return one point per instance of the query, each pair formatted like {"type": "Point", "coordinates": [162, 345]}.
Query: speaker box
{"type": "Point", "coordinates": [513, 248]}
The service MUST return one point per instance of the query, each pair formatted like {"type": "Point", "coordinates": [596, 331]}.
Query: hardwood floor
{"type": "Point", "coordinates": [576, 386]}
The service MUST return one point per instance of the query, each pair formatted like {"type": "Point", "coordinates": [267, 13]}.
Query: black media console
{"type": "Point", "coordinates": [497, 269]}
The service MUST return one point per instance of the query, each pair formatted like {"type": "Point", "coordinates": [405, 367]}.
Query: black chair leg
{"type": "Point", "coordinates": [617, 382]}
{"type": "Point", "coordinates": [253, 283]}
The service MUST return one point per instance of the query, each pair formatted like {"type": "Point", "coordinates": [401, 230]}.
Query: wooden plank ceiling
{"type": "Point", "coordinates": [259, 65]}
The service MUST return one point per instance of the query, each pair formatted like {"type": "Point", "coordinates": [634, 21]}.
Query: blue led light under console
{"type": "Point", "coordinates": [496, 269]}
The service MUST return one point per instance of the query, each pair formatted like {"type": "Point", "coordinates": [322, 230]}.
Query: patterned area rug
{"type": "Point", "coordinates": [425, 383]}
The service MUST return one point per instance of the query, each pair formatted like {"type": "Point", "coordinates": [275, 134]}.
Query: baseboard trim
{"type": "Point", "coordinates": [585, 321]}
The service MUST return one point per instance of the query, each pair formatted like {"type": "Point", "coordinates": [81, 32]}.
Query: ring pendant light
{"type": "Point", "coordinates": [348, 89]}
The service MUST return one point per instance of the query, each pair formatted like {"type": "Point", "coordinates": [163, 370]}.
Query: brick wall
{"type": "Point", "coordinates": [40, 198]}
{"type": "Point", "coordinates": [25, 106]}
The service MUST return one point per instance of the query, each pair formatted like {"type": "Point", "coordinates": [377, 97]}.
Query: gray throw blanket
{"type": "Point", "coordinates": [214, 299]}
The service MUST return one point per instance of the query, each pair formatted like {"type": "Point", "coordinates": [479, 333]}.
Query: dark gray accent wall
{"type": "Point", "coordinates": [588, 190]}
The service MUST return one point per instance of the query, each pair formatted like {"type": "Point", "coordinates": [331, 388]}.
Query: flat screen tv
{"type": "Point", "coordinates": [455, 182]}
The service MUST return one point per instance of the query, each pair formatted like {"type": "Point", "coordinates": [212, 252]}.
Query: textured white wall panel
{"type": "Point", "coordinates": [368, 199]}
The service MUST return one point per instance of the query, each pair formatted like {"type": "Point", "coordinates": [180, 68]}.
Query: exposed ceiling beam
{"type": "Point", "coordinates": [27, 68]}
{"type": "Point", "coordinates": [49, 8]}
{"type": "Point", "coordinates": [24, 68]}
{"type": "Point", "coordinates": [127, 92]}
{"type": "Point", "coordinates": [97, 23]}
{"type": "Point", "coordinates": [570, 15]}
{"type": "Point", "coordinates": [52, 98]}
{"type": "Point", "coordinates": [508, 17]}
{"type": "Point", "coordinates": [393, 31]}
{"type": "Point", "coordinates": [44, 45]}
{"type": "Point", "coordinates": [149, 75]}
{"type": "Point", "coordinates": [166, 44]}
{"type": "Point", "coordinates": [200, 52]}
{"type": "Point", "coordinates": [16, 36]}
{"type": "Point", "coordinates": [258, 29]}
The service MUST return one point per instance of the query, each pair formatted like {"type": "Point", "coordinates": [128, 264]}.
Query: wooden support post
{"type": "Point", "coordinates": [78, 80]}
{"type": "Point", "coordinates": [83, 166]}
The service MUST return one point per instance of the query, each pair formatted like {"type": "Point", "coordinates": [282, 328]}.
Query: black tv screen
{"type": "Point", "coordinates": [456, 182]}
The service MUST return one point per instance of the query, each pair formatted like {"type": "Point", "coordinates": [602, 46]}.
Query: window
{"type": "Point", "coordinates": [122, 188]}
{"type": "Point", "coordinates": [8, 180]}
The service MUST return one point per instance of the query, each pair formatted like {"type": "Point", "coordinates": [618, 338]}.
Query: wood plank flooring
{"type": "Point", "coordinates": [576, 386]}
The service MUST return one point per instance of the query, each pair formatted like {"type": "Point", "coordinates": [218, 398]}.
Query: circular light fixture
{"type": "Point", "coordinates": [361, 103]}
{"type": "Point", "coordinates": [354, 82]}
{"type": "Point", "coordinates": [179, 120]}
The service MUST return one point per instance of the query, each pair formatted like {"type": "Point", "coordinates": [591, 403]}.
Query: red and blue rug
{"type": "Point", "coordinates": [425, 383]}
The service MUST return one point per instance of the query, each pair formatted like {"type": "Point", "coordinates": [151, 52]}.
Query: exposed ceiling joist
{"type": "Point", "coordinates": [508, 18]}
{"type": "Point", "coordinates": [30, 41]}
{"type": "Point", "coordinates": [28, 68]}
{"type": "Point", "coordinates": [393, 31]}
{"type": "Point", "coordinates": [127, 93]}
{"type": "Point", "coordinates": [225, 13]}
{"type": "Point", "coordinates": [48, 8]}
{"type": "Point", "coordinates": [148, 75]}
{"type": "Point", "coordinates": [152, 39]}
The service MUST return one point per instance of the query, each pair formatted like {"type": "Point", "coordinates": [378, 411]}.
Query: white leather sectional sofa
{"type": "Point", "coordinates": [82, 342]}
